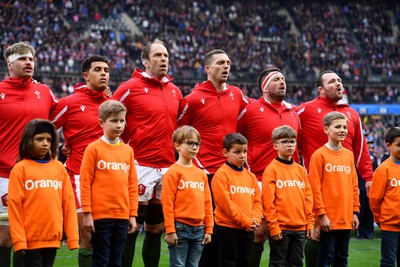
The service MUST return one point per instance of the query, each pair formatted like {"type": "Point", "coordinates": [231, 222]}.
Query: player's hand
{"type": "Point", "coordinates": [108, 92]}
{"type": "Point", "coordinates": [88, 224]}
{"type": "Point", "coordinates": [277, 237]}
{"type": "Point", "coordinates": [132, 225]}
{"type": "Point", "coordinates": [171, 239]}
{"type": "Point", "coordinates": [325, 223]}
{"type": "Point", "coordinates": [206, 239]}
{"type": "Point", "coordinates": [66, 150]}
{"type": "Point", "coordinates": [356, 222]}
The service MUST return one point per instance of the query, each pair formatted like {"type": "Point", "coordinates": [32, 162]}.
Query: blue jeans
{"type": "Point", "coordinates": [189, 248]}
{"type": "Point", "coordinates": [289, 250]}
{"type": "Point", "coordinates": [108, 242]}
{"type": "Point", "coordinates": [390, 249]}
{"type": "Point", "coordinates": [334, 247]}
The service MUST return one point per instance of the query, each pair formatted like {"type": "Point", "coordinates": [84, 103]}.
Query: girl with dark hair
{"type": "Point", "coordinates": [40, 197]}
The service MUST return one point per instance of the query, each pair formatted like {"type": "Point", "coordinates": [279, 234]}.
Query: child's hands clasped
{"type": "Point", "coordinates": [254, 226]}
{"type": "Point", "coordinates": [277, 237]}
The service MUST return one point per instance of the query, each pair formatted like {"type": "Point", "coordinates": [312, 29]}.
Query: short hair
{"type": "Point", "coordinates": [264, 74]}
{"type": "Point", "coordinates": [392, 134]}
{"type": "Point", "coordinates": [109, 108]}
{"type": "Point", "coordinates": [322, 73]}
{"type": "Point", "coordinates": [147, 48]}
{"type": "Point", "coordinates": [183, 133]}
{"type": "Point", "coordinates": [87, 63]}
{"type": "Point", "coordinates": [19, 48]}
{"type": "Point", "coordinates": [282, 132]}
{"type": "Point", "coordinates": [333, 115]}
{"type": "Point", "coordinates": [31, 129]}
{"type": "Point", "coordinates": [209, 55]}
{"type": "Point", "coordinates": [233, 138]}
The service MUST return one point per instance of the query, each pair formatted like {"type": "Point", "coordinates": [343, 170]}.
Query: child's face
{"type": "Point", "coordinates": [337, 131]}
{"type": "Point", "coordinates": [41, 145]}
{"type": "Point", "coordinates": [237, 155]}
{"type": "Point", "coordinates": [285, 147]}
{"type": "Point", "coordinates": [189, 148]}
{"type": "Point", "coordinates": [114, 125]}
{"type": "Point", "coordinates": [394, 149]}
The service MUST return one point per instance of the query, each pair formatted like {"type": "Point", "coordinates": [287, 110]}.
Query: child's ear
{"type": "Point", "coordinates": [275, 146]}
{"type": "Point", "coordinates": [326, 129]}
{"type": "Point", "coordinates": [177, 146]}
{"type": "Point", "coordinates": [101, 122]}
{"type": "Point", "coordinates": [225, 152]}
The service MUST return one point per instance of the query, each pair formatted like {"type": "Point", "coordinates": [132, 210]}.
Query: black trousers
{"type": "Point", "coordinates": [42, 257]}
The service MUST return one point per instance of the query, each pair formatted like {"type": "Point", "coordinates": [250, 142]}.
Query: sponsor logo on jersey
{"type": "Point", "coordinates": [191, 184]}
{"type": "Point", "coordinates": [242, 190]}
{"type": "Point", "coordinates": [118, 166]}
{"type": "Point", "coordinates": [319, 110]}
{"type": "Point", "coordinates": [203, 101]}
{"type": "Point", "coordinates": [290, 183]}
{"type": "Point", "coordinates": [337, 168]}
{"type": "Point", "coordinates": [262, 109]}
{"type": "Point", "coordinates": [3, 95]}
{"type": "Point", "coordinates": [232, 95]}
{"type": "Point", "coordinates": [82, 108]}
{"type": "Point", "coordinates": [30, 184]}
{"type": "Point", "coordinates": [146, 89]}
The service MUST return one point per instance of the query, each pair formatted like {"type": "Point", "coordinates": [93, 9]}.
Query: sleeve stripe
{"type": "Point", "coordinates": [183, 111]}
{"type": "Point", "coordinates": [125, 95]}
{"type": "Point", "coordinates": [62, 112]}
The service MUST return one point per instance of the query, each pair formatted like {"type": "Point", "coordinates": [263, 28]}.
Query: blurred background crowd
{"type": "Point", "coordinates": [357, 39]}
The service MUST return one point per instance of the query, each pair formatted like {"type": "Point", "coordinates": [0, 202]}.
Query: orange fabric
{"type": "Point", "coordinates": [186, 198]}
{"type": "Point", "coordinates": [334, 184]}
{"type": "Point", "coordinates": [237, 198]}
{"type": "Point", "coordinates": [384, 197]}
{"type": "Point", "coordinates": [41, 206]}
{"type": "Point", "coordinates": [109, 184]}
{"type": "Point", "coordinates": [287, 198]}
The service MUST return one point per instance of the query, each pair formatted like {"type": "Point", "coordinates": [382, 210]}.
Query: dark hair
{"type": "Point", "coordinates": [146, 49]}
{"type": "Point", "coordinates": [233, 138]}
{"type": "Point", "coordinates": [87, 63]}
{"type": "Point", "coordinates": [209, 55]}
{"type": "Point", "coordinates": [33, 128]}
{"type": "Point", "coordinates": [322, 73]}
{"type": "Point", "coordinates": [282, 132]}
{"type": "Point", "coordinates": [264, 74]}
{"type": "Point", "coordinates": [392, 134]}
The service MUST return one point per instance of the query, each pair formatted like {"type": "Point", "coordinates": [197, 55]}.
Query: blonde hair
{"type": "Point", "coordinates": [333, 115]}
{"type": "Point", "coordinates": [19, 48]}
{"type": "Point", "coordinates": [110, 107]}
{"type": "Point", "coordinates": [183, 133]}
